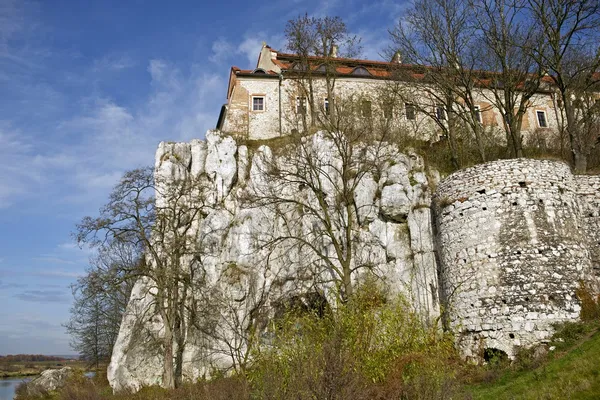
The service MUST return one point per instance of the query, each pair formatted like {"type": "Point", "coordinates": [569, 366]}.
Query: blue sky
{"type": "Point", "coordinates": [87, 91]}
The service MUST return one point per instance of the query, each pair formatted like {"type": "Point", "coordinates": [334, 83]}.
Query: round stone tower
{"type": "Point", "coordinates": [512, 252]}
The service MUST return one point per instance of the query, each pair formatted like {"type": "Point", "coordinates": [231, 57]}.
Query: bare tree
{"type": "Point", "coordinates": [570, 54]}
{"type": "Point", "coordinates": [438, 37]}
{"type": "Point", "coordinates": [101, 297]}
{"type": "Point", "coordinates": [312, 186]}
{"type": "Point", "coordinates": [318, 42]}
{"type": "Point", "coordinates": [514, 75]}
{"type": "Point", "coordinates": [165, 228]}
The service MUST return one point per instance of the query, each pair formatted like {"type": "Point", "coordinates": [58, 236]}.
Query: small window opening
{"type": "Point", "coordinates": [541, 117]}
{"type": "Point", "coordinates": [511, 335]}
{"type": "Point", "coordinates": [388, 109]}
{"type": "Point", "coordinates": [409, 110]}
{"type": "Point", "coordinates": [258, 103]}
{"type": "Point", "coordinates": [365, 108]}
{"type": "Point", "coordinates": [494, 356]}
{"type": "Point", "coordinates": [478, 116]}
{"type": "Point", "coordinates": [523, 184]}
{"type": "Point", "coordinates": [300, 105]}
{"type": "Point", "coordinates": [440, 112]}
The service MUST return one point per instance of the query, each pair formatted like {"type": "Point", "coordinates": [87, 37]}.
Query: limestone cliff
{"type": "Point", "coordinates": [513, 240]}
{"type": "Point", "coordinates": [246, 272]}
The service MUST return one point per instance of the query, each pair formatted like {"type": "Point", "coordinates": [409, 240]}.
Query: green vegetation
{"type": "Point", "coordinates": [30, 365]}
{"type": "Point", "coordinates": [373, 348]}
{"type": "Point", "coordinates": [570, 371]}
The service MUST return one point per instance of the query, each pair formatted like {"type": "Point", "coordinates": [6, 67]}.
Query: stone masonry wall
{"type": "Point", "coordinates": [588, 189]}
{"type": "Point", "coordinates": [512, 252]}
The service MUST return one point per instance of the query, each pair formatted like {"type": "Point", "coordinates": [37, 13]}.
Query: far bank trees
{"type": "Point", "coordinates": [100, 299]}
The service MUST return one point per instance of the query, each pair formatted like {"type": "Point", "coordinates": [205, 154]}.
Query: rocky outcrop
{"type": "Point", "coordinates": [48, 381]}
{"type": "Point", "coordinates": [247, 278]}
{"type": "Point", "coordinates": [513, 239]}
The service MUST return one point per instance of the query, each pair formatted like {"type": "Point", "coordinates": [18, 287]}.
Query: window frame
{"type": "Point", "coordinates": [478, 114]}
{"type": "Point", "coordinates": [366, 108]}
{"type": "Point", "coordinates": [443, 116]}
{"type": "Point", "coordinates": [413, 111]}
{"type": "Point", "coordinates": [301, 105]}
{"type": "Point", "coordinates": [537, 118]}
{"type": "Point", "coordinates": [264, 102]}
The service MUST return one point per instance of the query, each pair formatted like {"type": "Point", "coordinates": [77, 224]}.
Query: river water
{"type": "Point", "coordinates": [8, 386]}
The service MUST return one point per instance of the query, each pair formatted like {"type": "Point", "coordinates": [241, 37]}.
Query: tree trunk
{"type": "Point", "coordinates": [580, 161]}
{"type": "Point", "coordinates": [168, 373]}
{"type": "Point", "coordinates": [477, 130]}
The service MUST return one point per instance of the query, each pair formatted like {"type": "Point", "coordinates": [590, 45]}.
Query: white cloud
{"type": "Point", "coordinates": [224, 51]}
{"type": "Point", "coordinates": [113, 62]}
{"type": "Point", "coordinates": [221, 51]}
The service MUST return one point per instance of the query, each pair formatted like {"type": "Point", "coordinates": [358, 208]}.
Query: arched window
{"type": "Point", "coordinates": [360, 71]}
{"type": "Point", "coordinates": [322, 68]}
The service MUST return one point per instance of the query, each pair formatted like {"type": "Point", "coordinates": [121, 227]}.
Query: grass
{"type": "Point", "coordinates": [31, 368]}
{"type": "Point", "coordinates": [571, 371]}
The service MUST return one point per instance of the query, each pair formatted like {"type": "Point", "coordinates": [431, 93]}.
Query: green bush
{"type": "Point", "coordinates": [367, 348]}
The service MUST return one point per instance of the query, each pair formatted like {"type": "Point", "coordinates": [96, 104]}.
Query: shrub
{"type": "Point", "coordinates": [367, 348]}
{"type": "Point", "coordinates": [590, 304]}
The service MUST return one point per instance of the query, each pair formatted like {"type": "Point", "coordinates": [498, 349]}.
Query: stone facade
{"type": "Point", "coordinates": [280, 85]}
{"type": "Point", "coordinates": [513, 243]}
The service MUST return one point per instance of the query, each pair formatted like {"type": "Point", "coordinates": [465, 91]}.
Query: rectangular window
{"type": "Point", "coordinates": [300, 105]}
{"type": "Point", "coordinates": [478, 116]}
{"type": "Point", "coordinates": [258, 103]}
{"type": "Point", "coordinates": [388, 109]}
{"type": "Point", "coordinates": [365, 108]}
{"type": "Point", "coordinates": [326, 106]}
{"type": "Point", "coordinates": [541, 117]}
{"type": "Point", "coordinates": [409, 110]}
{"type": "Point", "coordinates": [440, 113]}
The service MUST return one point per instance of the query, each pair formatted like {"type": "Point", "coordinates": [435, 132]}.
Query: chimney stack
{"type": "Point", "coordinates": [334, 51]}
{"type": "Point", "coordinates": [397, 58]}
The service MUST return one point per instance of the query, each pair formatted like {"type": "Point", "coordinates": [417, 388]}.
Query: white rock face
{"type": "Point", "coordinates": [49, 380]}
{"type": "Point", "coordinates": [392, 238]}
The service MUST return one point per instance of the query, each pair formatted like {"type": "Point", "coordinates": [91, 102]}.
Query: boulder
{"type": "Point", "coordinates": [48, 381]}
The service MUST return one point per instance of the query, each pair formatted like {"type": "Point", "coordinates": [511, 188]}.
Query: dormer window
{"type": "Point", "coordinates": [299, 67]}
{"type": "Point", "coordinates": [258, 103]}
{"type": "Point", "coordinates": [321, 68]}
{"type": "Point", "coordinates": [360, 71]}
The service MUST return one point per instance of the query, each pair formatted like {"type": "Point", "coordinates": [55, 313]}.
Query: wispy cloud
{"type": "Point", "coordinates": [113, 62]}
{"type": "Point", "coordinates": [44, 296]}
{"type": "Point", "coordinates": [224, 51]}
